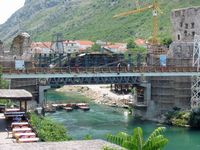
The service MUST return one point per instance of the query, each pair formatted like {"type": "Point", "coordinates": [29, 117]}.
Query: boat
{"type": "Point", "coordinates": [84, 108]}
{"type": "Point", "coordinates": [68, 108]}
{"type": "Point", "coordinates": [81, 104]}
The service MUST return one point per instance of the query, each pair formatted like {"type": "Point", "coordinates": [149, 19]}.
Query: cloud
{"type": "Point", "coordinates": [8, 7]}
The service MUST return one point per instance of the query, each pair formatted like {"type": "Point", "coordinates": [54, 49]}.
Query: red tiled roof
{"type": "Point", "coordinates": [117, 46]}
{"type": "Point", "coordinates": [41, 44]}
{"type": "Point", "coordinates": [85, 42]}
{"type": "Point", "coordinates": [140, 42]}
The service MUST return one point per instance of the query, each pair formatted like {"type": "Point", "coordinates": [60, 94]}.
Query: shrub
{"type": "Point", "coordinates": [87, 137]}
{"type": "Point", "coordinates": [155, 141]}
{"type": "Point", "coordinates": [48, 130]}
{"type": "Point", "coordinates": [109, 148]}
{"type": "Point", "coordinates": [194, 118]}
{"type": "Point", "coordinates": [177, 117]}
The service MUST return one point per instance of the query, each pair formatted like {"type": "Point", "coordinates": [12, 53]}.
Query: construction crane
{"type": "Point", "coordinates": [155, 9]}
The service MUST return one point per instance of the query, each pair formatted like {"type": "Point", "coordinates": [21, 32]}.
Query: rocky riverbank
{"type": "Point", "coordinates": [100, 94]}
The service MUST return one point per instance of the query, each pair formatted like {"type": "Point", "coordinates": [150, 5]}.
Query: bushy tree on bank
{"type": "Point", "coordinates": [194, 120]}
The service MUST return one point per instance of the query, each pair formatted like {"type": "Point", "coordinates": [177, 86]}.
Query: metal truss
{"type": "Point", "coordinates": [91, 80]}
{"type": "Point", "coordinates": [195, 89]}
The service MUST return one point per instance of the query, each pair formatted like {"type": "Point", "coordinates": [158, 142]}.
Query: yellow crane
{"type": "Point", "coordinates": [155, 9]}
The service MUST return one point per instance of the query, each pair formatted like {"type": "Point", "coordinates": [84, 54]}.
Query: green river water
{"type": "Point", "coordinates": [101, 120]}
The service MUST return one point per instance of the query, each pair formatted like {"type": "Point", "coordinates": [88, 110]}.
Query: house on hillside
{"type": "Point", "coordinates": [41, 48]}
{"type": "Point", "coordinates": [116, 48]}
{"type": "Point", "coordinates": [71, 46]}
{"type": "Point", "coordinates": [83, 45]}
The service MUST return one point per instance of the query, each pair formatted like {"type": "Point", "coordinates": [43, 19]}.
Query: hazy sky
{"type": "Point", "coordinates": [8, 7]}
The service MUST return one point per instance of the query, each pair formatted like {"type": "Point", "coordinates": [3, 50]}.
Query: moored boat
{"type": "Point", "coordinates": [85, 108]}
{"type": "Point", "coordinates": [68, 108]}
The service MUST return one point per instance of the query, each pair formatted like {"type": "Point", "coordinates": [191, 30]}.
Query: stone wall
{"type": "Point", "coordinates": [185, 24]}
{"type": "Point", "coordinates": [181, 50]}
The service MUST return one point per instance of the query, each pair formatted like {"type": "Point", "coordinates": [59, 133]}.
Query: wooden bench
{"type": "Point", "coordinates": [26, 135]}
{"type": "Point", "coordinates": [15, 130]}
{"type": "Point", "coordinates": [19, 124]}
{"type": "Point", "coordinates": [26, 140]}
{"type": "Point", "coordinates": [12, 109]}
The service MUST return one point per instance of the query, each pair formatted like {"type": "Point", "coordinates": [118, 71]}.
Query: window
{"type": "Point", "coordinates": [192, 25]}
{"type": "Point", "coordinates": [177, 13]}
{"type": "Point", "coordinates": [186, 26]}
{"type": "Point", "coordinates": [179, 37]}
{"type": "Point", "coordinates": [185, 33]}
{"type": "Point", "coordinates": [181, 24]}
{"type": "Point", "coordinates": [193, 33]}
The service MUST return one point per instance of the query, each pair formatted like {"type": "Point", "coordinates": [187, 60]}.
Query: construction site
{"type": "Point", "coordinates": [154, 95]}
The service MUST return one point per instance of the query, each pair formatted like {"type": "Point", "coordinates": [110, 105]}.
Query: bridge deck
{"type": "Point", "coordinates": [100, 72]}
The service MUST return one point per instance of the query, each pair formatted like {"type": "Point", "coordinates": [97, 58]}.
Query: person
{"type": "Point", "coordinates": [118, 68]}
{"type": "Point", "coordinates": [128, 67]}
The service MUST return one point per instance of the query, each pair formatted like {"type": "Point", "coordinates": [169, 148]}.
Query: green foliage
{"type": "Point", "coordinates": [194, 120]}
{"type": "Point", "coordinates": [109, 148]}
{"type": "Point", "coordinates": [87, 137]}
{"type": "Point", "coordinates": [3, 83]}
{"type": "Point", "coordinates": [166, 41]}
{"type": "Point", "coordinates": [48, 130]}
{"type": "Point", "coordinates": [95, 48]}
{"type": "Point", "coordinates": [155, 141]}
{"type": "Point", "coordinates": [177, 117]}
{"type": "Point", "coordinates": [94, 20]}
{"type": "Point", "coordinates": [137, 54]}
{"type": "Point", "coordinates": [131, 44]}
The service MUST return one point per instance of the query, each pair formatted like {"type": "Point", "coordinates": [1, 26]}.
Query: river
{"type": "Point", "coordinates": [101, 120]}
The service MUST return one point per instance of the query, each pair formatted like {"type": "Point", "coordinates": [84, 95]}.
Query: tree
{"type": "Point", "coordinates": [131, 44]}
{"type": "Point", "coordinates": [166, 41]}
{"type": "Point", "coordinates": [96, 47]}
{"type": "Point", "coordinates": [3, 83]}
{"type": "Point", "coordinates": [155, 141]}
{"type": "Point", "coordinates": [194, 119]}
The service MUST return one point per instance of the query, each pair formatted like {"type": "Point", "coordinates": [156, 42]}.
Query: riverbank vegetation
{"type": "Point", "coordinates": [194, 120]}
{"type": "Point", "coordinates": [155, 141]}
{"type": "Point", "coordinates": [48, 130]}
{"type": "Point", "coordinates": [179, 118]}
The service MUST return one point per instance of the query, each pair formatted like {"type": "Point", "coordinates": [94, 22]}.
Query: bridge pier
{"type": "Point", "coordinates": [42, 90]}
{"type": "Point", "coordinates": [142, 104]}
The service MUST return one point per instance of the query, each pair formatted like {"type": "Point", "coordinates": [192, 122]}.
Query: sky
{"type": "Point", "coordinates": [8, 7]}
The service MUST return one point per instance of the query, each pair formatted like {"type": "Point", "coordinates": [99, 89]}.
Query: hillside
{"type": "Point", "coordinates": [88, 19]}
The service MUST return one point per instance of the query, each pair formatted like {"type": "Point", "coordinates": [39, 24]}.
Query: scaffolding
{"type": "Point", "coordinates": [195, 98]}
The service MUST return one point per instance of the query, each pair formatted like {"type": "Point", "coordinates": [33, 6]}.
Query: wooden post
{"type": "Point", "coordinates": [20, 105]}
{"type": "Point", "coordinates": [25, 106]}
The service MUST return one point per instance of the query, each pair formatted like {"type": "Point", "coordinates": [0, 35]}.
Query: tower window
{"type": "Point", "coordinates": [186, 26]}
{"type": "Point", "coordinates": [179, 37]}
{"type": "Point", "coordinates": [192, 25]}
{"type": "Point", "coordinates": [193, 33]}
{"type": "Point", "coordinates": [181, 24]}
{"type": "Point", "coordinates": [185, 33]}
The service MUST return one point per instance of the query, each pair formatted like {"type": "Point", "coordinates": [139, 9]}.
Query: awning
{"type": "Point", "coordinates": [15, 94]}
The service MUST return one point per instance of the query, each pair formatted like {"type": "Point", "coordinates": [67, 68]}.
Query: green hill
{"type": "Point", "coordinates": [88, 19]}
